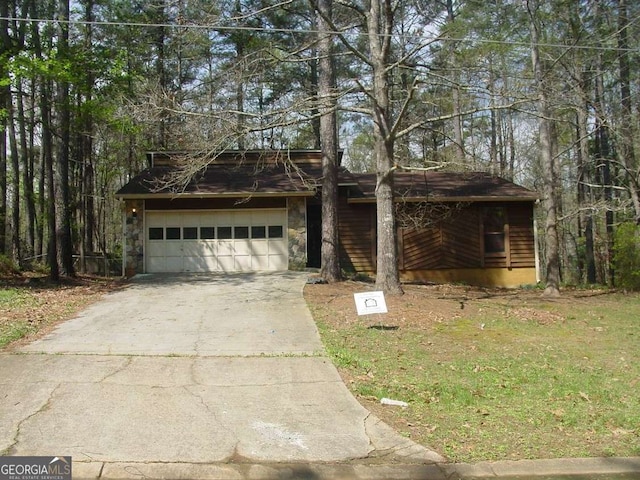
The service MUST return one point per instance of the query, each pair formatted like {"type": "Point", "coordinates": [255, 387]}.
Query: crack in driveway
{"type": "Point", "coordinates": [45, 406]}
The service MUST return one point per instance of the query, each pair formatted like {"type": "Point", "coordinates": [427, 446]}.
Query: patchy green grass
{"type": "Point", "coordinates": [504, 378]}
{"type": "Point", "coordinates": [13, 328]}
{"type": "Point", "coordinates": [30, 305]}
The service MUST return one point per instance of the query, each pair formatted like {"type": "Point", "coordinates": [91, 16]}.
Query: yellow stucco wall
{"type": "Point", "coordinates": [487, 277]}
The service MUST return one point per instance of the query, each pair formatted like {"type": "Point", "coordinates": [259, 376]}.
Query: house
{"type": "Point", "coordinates": [261, 211]}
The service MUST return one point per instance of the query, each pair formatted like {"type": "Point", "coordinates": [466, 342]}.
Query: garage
{"type": "Point", "coordinates": [216, 241]}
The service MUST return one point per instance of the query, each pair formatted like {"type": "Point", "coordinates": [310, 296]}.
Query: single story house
{"type": "Point", "coordinates": [261, 211]}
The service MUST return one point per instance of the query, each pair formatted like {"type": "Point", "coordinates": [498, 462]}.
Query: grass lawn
{"type": "Point", "coordinates": [31, 305]}
{"type": "Point", "coordinates": [493, 374]}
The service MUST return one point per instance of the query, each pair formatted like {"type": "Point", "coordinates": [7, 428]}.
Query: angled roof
{"type": "Point", "coordinates": [220, 181]}
{"type": "Point", "coordinates": [231, 174]}
{"type": "Point", "coordinates": [299, 173]}
{"type": "Point", "coordinates": [443, 187]}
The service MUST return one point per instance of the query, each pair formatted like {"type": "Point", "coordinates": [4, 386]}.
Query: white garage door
{"type": "Point", "coordinates": [221, 241]}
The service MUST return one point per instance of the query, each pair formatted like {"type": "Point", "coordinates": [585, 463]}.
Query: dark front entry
{"type": "Point", "coordinates": [314, 235]}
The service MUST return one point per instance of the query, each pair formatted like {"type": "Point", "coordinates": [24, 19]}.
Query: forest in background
{"type": "Point", "coordinates": [544, 93]}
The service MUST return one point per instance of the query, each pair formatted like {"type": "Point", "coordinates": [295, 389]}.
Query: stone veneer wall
{"type": "Point", "coordinates": [297, 232]}
{"type": "Point", "coordinates": [134, 237]}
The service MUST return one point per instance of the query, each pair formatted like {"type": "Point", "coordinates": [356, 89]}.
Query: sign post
{"type": "Point", "coordinates": [368, 303]}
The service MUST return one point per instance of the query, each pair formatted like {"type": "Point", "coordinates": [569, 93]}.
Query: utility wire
{"type": "Point", "coordinates": [236, 28]}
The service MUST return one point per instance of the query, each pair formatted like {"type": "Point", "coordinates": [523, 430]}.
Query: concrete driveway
{"type": "Point", "coordinates": [188, 370]}
{"type": "Point", "coordinates": [194, 315]}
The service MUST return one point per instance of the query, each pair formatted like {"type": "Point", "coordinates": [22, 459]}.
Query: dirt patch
{"type": "Point", "coordinates": [36, 305]}
{"type": "Point", "coordinates": [427, 304]}
{"type": "Point", "coordinates": [420, 304]}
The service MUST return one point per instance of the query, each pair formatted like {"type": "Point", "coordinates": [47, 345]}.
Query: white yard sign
{"type": "Point", "coordinates": [370, 302]}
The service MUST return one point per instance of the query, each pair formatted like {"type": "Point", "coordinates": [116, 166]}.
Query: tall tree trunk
{"type": "Point", "coordinates": [493, 120]}
{"type": "Point", "coordinates": [5, 98]}
{"type": "Point", "coordinates": [603, 153]}
{"type": "Point", "coordinates": [15, 185]}
{"type": "Point", "coordinates": [512, 146]}
{"type": "Point", "coordinates": [547, 160]}
{"type": "Point", "coordinates": [379, 25]}
{"type": "Point", "coordinates": [627, 150]}
{"type": "Point", "coordinates": [159, 16]}
{"type": "Point", "coordinates": [315, 114]}
{"type": "Point", "coordinates": [26, 154]}
{"type": "Point", "coordinates": [3, 177]}
{"type": "Point", "coordinates": [584, 200]}
{"type": "Point", "coordinates": [86, 205]}
{"type": "Point", "coordinates": [47, 180]}
{"type": "Point", "coordinates": [458, 138]}
{"type": "Point", "coordinates": [40, 249]}
{"type": "Point", "coordinates": [330, 259]}
{"type": "Point", "coordinates": [63, 197]}
{"type": "Point", "coordinates": [239, 46]}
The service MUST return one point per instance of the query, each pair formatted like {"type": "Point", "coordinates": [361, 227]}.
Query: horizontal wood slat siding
{"type": "Point", "coordinates": [422, 248]}
{"type": "Point", "coordinates": [356, 237]}
{"type": "Point", "coordinates": [461, 240]}
{"type": "Point", "coordinates": [521, 235]}
{"type": "Point", "coordinates": [454, 243]}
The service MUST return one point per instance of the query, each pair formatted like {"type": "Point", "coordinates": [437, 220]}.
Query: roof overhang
{"type": "Point", "coordinates": [149, 196]}
{"type": "Point", "coordinates": [474, 199]}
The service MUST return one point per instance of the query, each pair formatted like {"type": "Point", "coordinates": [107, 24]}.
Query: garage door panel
{"type": "Point", "coordinates": [277, 247]}
{"type": "Point", "coordinates": [259, 247]}
{"type": "Point", "coordinates": [191, 264]}
{"type": "Point", "coordinates": [225, 248]}
{"type": "Point", "coordinates": [260, 262]}
{"type": "Point", "coordinates": [155, 249]}
{"type": "Point", "coordinates": [173, 248]}
{"type": "Point", "coordinates": [206, 248]}
{"type": "Point", "coordinates": [174, 264]}
{"type": "Point", "coordinates": [200, 264]}
{"type": "Point", "coordinates": [193, 249]}
{"type": "Point", "coordinates": [242, 263]}
{"type": "Point", "coordinates": [242, 247]}
{"type": "Point", "coordinates": [215, 241]}
{"type": "Point", "coordinates": [157, 264]}
{"type": "Point", "coordinates": [209, 264]}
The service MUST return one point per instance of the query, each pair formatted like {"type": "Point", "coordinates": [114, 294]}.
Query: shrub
{"type": "Point", "coordinates": [8, 266]}
{"type": "Point", "coordinates": [626, 257]}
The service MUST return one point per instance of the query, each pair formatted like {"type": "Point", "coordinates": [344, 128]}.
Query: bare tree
{"type": "Point", "coordinates": [547, 159]}
{"type": "Point", "coordinates": [627, 149]}
{"type": "Point", "coordinates": [330, 259]}
{"type": "Point", "coordinates": [380, 28]}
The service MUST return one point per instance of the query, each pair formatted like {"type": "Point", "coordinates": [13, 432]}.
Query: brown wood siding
{"type": "Point", "coordinates": [520, 251]}
{"type": "Point", "coordinates": [422, 248]}
{"type": "Point", "coordinates": [461, 240]}
{"type": "Point", "coordinates": [356, 231]}
{"type": "Point", "coordinates": [454, 243]}
{"type": "Point", "coordinates": [521, 235]}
